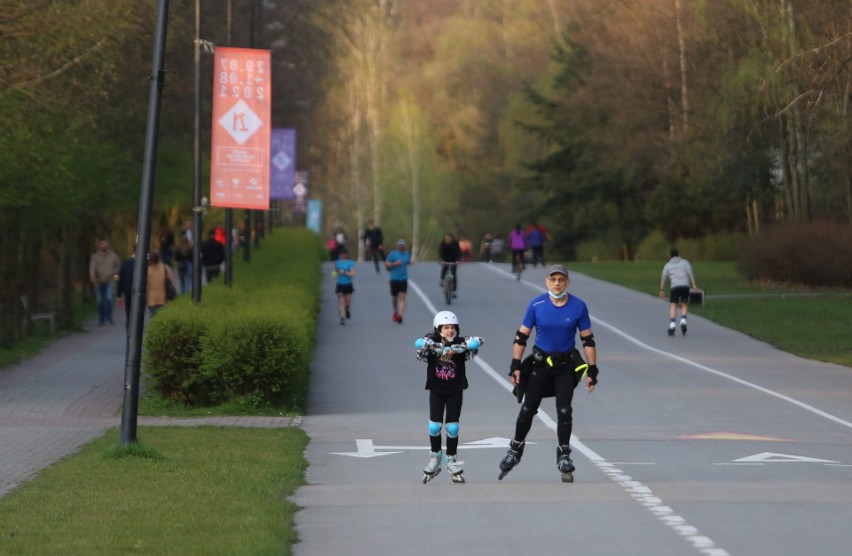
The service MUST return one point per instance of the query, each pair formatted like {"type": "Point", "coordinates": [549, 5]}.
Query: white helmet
{"type": "Point", "coordinates": [445, 317]}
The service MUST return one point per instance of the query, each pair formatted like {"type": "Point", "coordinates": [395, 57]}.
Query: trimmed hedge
{"type": "Point", "coordinates": [251, 343]}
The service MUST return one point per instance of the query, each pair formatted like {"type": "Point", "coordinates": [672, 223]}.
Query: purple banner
{"type": "Point", "coordinates": [282, 167]}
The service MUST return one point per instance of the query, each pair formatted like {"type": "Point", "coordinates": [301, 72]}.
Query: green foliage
{"type": "Point", "coordinates": [818, 254]}
{"type": "Point", "coordinates": [248, 345]}
{"type": "Point", "coordinates": [655, 247]}
{"type": "Point", "coordinates": [174, 358]}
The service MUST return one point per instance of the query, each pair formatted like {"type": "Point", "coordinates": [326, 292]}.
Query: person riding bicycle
{"type": "Point", "coordinates": [518, 244]}
{"type": "Point", "coordinates": [449, 252]}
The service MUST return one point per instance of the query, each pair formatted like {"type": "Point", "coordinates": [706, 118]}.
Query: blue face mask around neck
{"type": "Point", "coordinates": [555, 296]}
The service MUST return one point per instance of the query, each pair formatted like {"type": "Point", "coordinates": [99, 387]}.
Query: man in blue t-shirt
{"type": "Point", "coordinates": [397, 264]}
{"type": "Point", "coordinates": [555, 368]}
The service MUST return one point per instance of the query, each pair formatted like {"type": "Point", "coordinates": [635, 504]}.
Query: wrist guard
{"type": "Point", "coordinates": [515, 365]}
{"type": "Point", "coordinates": [593, 374]}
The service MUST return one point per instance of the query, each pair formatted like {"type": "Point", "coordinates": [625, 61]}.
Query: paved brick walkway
{"type": "Point", "coordinates": [53, 403]}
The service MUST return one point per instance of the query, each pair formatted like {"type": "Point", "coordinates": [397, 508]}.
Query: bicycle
{"type": "Point", "coordinates": [518, 265]}
{"type": "Point", "coordinates": [449, 283]}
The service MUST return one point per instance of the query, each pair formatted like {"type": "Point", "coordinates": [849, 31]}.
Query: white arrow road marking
{"type": "Point", "coordinates": [771, 457]}
{"type": "Point", "coordinates": [366, 449]}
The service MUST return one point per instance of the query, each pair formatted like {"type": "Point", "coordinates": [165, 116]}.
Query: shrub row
{"type": "Point", "coordinates": [817, 254]}
{"type": "Point", "coordinates": [250, 343]}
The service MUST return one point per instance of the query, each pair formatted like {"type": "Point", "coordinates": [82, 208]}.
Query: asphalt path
{"type": "Point", "coordinates": [710, 443]}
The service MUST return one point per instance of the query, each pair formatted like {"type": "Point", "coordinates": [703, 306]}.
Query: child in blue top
{"type": "Point", "coordinates": [445, 353]}
{"type": "Point", "coordinates": [344, 269]}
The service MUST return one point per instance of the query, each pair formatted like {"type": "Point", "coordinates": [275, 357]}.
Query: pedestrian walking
{"type": "Point", "coordinates": [373, 243]}
{"type": "Point", "coordinates": [554, 368]}
{"type": "Point", "coordinates": [125, 284]}
{"type": "Point", "coordinates": [160, 277]}
{"type": "Point", "coordinates": [103, 270]}
{"type": "Point", "coordinates": [212, 256]}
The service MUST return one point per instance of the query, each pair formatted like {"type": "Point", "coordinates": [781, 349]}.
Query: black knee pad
{"type": "Point", "coordinates": [564, 416]}
{"type": "Point", "coordinates": [527, 413]}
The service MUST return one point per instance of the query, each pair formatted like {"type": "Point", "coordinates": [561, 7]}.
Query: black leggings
{"type": "Point", "coordinates": [539, 379]}
{"type": "Point", "coordinates": [452, 403]}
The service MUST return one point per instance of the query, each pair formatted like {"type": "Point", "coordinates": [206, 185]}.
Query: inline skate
{"type": "Point", "coordinates": [454, 468]}
{"type": "Point", "coordinates": [564, 463]}
{"type": "Point", "coordinates": [433, 468]}
{"type": "Point", "coordinates": [511, 459]}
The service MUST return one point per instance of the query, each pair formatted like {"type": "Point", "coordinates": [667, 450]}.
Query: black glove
{"type": "Point", "coordinates": [514, 366]}
{"type": "Point", "coordinates": [593, 374]}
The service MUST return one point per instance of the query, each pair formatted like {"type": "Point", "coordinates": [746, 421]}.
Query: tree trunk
{"type": "Point", "coordinates": [356, 121]}
{"type": "Point", "coordinates": [412, 140]}
{"type": "Point", "coordinates": [684, 90]}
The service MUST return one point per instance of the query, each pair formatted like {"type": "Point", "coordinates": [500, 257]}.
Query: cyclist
{"type": "Point", "coordinates": [449, 252]}
{"type": "Point", "coordinates": [536, 236]}
{"type": "Point", "coordinates": [518, 244]}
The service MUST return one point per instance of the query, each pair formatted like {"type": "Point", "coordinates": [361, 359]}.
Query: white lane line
{"type": "Point", "coordinates": [705, 368]}
{"type": "Point", "coordinates": [641, 493]}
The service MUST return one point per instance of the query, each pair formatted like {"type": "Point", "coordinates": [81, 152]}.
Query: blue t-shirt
{"type": "Point", "coordinates": [399, 272]}
{"type": "Point", "coordinates": [556, 327]}
{"type": "Point", "coordinates": [535, 237]}
{"type": "Point", "coordinates": [347, 265]}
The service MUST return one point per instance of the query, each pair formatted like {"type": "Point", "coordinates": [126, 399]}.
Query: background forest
{"type": "Point", "coordinates": [617, 124]}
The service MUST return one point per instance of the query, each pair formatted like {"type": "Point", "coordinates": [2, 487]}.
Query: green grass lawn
{"type": "Point", "coordinates": [815, 324]}
{"type": "Point", "coordinates": [200, 490]}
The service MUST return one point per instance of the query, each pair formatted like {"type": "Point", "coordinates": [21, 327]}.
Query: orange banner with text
{"type": "Point", "coordinates": [239, 163]}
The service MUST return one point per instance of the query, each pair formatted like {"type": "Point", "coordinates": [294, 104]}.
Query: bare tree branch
{"type": "Point", "coordinates": [65, 67]}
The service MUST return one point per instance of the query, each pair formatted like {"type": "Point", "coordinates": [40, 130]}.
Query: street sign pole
{"type": "Point", "coordinates": [133, 355]}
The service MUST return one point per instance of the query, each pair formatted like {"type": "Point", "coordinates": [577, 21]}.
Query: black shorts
{"type": "Point", "coordinates": [344, 288]}
{"type": "Point", "coordinates": [679, 294]}
{"type": "Point", "coordinates": [398, 286]}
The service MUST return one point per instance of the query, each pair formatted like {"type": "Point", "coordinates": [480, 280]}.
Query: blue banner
{"type": "Point", "coordinates": [314, 218]}
{"type": "Point", "coordinates": [282, 167]}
